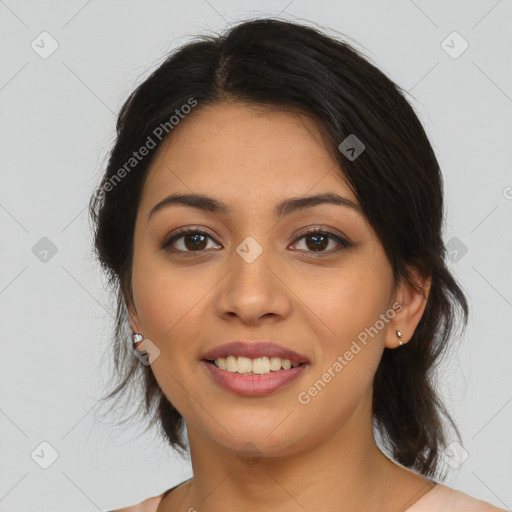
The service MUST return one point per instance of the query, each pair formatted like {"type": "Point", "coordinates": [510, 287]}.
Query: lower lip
{"type": "Point", "coordinates": [254, 385]}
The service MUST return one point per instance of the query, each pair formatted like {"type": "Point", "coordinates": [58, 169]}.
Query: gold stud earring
{"type": "Point", "coordinates": [399, 336]}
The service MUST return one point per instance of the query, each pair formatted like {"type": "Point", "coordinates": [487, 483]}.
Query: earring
{"type": "Point", "coordinates": [399, 336]}
{"type": "Point", "coordinates": [136, 339]}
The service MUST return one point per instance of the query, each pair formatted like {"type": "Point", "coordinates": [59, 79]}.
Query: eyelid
{"type": "Point", "coordinates": [341, 239]}
{"type": "Point", "coordinates": [175, 235]}
{"type": "Point", "coordinates": [331, 232]}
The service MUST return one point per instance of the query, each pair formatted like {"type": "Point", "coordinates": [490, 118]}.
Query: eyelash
{"type": "Point", "coordinates": [167, 245]}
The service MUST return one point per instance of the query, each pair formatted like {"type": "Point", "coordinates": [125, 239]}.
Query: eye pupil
{"type": "Point", "coordinates": [196, 240]}
{"type": "Point", "coordinates": [318, 243]}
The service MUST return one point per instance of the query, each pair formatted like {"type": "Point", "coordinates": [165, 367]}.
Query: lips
{"type": "Point", "coordinates": [254, 385]}
{"type": "Point", "coordinates": [254, 350]}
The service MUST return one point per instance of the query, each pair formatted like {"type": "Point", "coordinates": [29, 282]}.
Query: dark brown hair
{"type": "Point", "coordinates": [397, 180]}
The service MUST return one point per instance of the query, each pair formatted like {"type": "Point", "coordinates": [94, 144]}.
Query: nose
{"type": "Point", "coordinates": [255, 288]}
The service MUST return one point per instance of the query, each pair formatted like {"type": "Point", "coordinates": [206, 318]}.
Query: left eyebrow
{"type": "Point", "coordinates": [293, 204]}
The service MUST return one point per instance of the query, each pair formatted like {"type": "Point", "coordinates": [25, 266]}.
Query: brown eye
{"type": "Point", "coordinates": [317, 240]}
{"type": "Point", "coordinates": [191, 240]}
{"type": "Point", "coordinates": [196, 241]}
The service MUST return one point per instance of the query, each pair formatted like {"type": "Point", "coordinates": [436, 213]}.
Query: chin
{"type": "Point", "coordinates": [262, 439]}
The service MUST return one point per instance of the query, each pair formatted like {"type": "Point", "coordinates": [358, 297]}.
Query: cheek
{"type": "Point", "coordinates": [169, 307]}
{"type": "Point", "coordinates": [351, 299]}
{"type": "Point", "coordinates": [347, 355]}
{"type": "Point", "coordinates": [350, 308]}
{"type": "Point", "coordinates": [166, 300]}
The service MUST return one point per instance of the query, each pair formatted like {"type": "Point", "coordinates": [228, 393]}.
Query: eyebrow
{"type": "Point", "coordinates": [294, 204]}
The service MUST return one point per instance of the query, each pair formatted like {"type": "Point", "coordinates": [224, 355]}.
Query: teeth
{"type": "Point", "coordinates": [231, 364]}
{"type": "Point", "coordinates": [275, 363]}
{"type": "Point", "coordinates": [243, 365]}
{"type": "Point", "coordinates": [258, 366]}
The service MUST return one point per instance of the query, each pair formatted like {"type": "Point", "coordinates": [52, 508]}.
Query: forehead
{"type": "Point", "coordinates": [244, 152]}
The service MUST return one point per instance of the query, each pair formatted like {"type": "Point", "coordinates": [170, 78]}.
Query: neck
{"type": "Point", "coordinates": [340, 470]}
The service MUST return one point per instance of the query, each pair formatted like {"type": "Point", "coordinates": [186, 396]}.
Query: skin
{"type": "Point", "coordinates": [316, 456]}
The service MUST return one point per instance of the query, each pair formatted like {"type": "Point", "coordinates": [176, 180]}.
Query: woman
{"type": "Point", "coordinates": [271, 219]}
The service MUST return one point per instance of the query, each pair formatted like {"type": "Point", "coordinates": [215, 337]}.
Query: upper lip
{"type": "Point", "coordinates": [254, 350]}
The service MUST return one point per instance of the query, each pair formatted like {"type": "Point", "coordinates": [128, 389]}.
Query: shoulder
{"type": "Point", "coordinates": [148, 505]}
{"type": "Point", "coordinates": [445, 499]}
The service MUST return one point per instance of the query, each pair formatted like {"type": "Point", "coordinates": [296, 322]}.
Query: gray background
{"type": "Point", "coordinates": [57, 124]}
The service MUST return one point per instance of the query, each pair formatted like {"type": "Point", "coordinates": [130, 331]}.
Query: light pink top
{"type": "Point", "coordinates": [445, 499]}
{"type": "Point", "coordinates": [441, 498]}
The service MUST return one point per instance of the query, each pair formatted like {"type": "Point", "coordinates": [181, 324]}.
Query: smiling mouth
{"type": "Point", "coordinates": [250, 367]}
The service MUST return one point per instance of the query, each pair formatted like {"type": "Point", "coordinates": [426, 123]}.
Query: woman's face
{"type": "Point", "coordinates": [255, 277]}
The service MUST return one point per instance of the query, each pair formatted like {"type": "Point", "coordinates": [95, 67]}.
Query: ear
{"type": "Point", "coordinates": [413, 305]}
